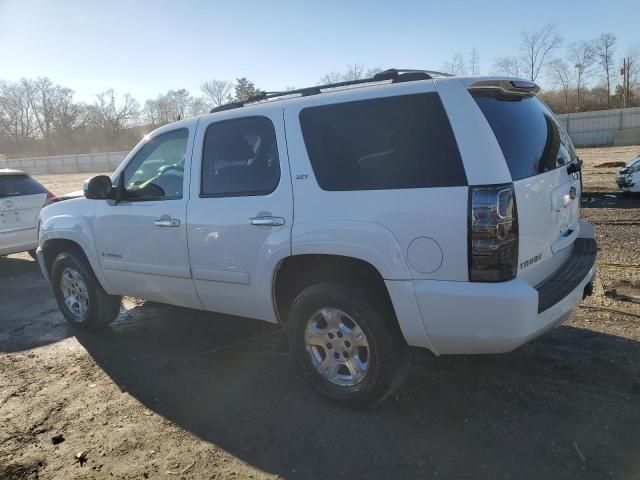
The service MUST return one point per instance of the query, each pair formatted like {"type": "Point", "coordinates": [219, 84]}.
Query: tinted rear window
{"type": "Point", "coordinates": [530, 137]}
{"type": "Point", "coordinates": [16, 185]}
{"type": "Point", "coordinates": [385, 143]}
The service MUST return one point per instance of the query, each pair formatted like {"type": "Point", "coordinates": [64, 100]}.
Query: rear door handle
{"type": "Point", "coordinates": [166, 221]}
{"type": "Point", "coordinates": [267, 221]}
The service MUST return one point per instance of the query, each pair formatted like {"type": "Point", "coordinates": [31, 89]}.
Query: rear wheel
{"type": "Point", "coordinates": [80, 297]}
{"type": "Point", "coordinates": [346, 344]}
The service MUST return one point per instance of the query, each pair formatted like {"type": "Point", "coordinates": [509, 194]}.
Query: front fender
{"type": "Point", "coordinates": [364, 240]}
{"type": "Point", "coordinates": [58, 223]}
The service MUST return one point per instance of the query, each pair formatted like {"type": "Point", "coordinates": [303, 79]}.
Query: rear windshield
{"type": "Point", "coordinates": [17, 185]}
{"type": "Point", "coordinates": [384, 143]}
{"type": "Point", "coordinates": [530, 137]}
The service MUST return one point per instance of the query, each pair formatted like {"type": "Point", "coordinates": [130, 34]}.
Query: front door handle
{"type": "Point", "coordinates": [166, 221]}
{"type": "Point", "coordinates": [267, 221]}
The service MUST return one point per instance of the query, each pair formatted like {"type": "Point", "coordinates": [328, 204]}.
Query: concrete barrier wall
{"type": "Point", "coordinates": [603, 127]}
{"type": "Point", "coordinates": [81, 163]}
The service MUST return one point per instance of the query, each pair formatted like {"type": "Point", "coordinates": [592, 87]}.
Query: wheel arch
{"type": "Point", "coordinates": [51, 247]}
{"type": "Point", "coordinates": [296, 272]}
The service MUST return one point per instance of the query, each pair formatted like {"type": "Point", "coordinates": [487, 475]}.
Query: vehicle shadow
{"type": "Point", "coordinates": [29, 316]}
{"type": "Point", "coordinates": [229, 381]}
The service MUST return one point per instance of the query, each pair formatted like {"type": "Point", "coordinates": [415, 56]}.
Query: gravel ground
{"type": "Point", "coordinates": [174, 393]}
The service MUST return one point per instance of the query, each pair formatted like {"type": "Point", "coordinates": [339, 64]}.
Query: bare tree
{"type": "Point", "coordinates": [455, 66]}
{"type": "Point", "coordinates": [352, 72]}
{"type": "Point", "coordinates": [372, 72]}
{"type": "Point", "coordinates": [38, 93]}
{"type": "Point", "coordinates": [70, 119]}
{"type": "Point", "coordinates": [111, 116]}
{"type": "Point", "coordinates": [605, 51]}
{"type": "Point", "coordinates": [169, 107]}
{"type": "Point", "coordinates": [198, 106]}
{"type": "Point", "coordinates": [473, 65]}
{"type": "Point", "coordinates": [175, 104]}
{"type": "Point", "coordinates": [331, 77]}
{"type": "Point", "coordinates": [536, 48]}
{"type": "Point", "coordinates": [150, 112]}
{"type": "Point", "coordinates": [583, 56]}
{"type": "Point", "coordinates": [630, 73]}
{"type": "Point", "coordinates": [218, 92]}
{"type": "Point", "coordinates": [17, 119]}
{"type": "Point", "coordinates": [35, 113]}
{"type": "Point", "coordinates": [508, 66]}
{"type": "Point", "coordinates": [562, 78]}
{"type": "Point", "coordinates": [52, 107]}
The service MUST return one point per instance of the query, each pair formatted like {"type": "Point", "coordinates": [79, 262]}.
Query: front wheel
{"type": "Point", "coordinates": [80, 297]}
{"type": "Point", "coordinates": [346, 344]}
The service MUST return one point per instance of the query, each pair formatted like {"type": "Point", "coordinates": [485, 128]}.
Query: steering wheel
{"type": "Point", "coordinates": [170, 168]}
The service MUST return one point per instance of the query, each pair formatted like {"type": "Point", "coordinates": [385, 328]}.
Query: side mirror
{"type": "Point", "coordinates": [98, 188]}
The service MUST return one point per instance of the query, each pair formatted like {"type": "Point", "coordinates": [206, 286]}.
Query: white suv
{"type": "Point", "coordinates": [21, 198]}
{"type": "Point", "coordinates": [409, 209]}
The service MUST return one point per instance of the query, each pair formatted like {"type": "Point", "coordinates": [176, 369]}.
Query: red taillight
{"type": "Point", "coordinates": [493, 233]}
{"type": "Point", "coordinates": [50, 199]}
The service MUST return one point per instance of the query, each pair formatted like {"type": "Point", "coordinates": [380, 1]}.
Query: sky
{"type": "Point", "coordinates": [148, 47]}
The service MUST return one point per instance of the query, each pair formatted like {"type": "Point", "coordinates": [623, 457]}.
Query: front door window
{"type": "Point", "coordinates": [156, 172]}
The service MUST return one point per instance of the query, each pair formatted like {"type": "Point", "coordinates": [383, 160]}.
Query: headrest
{"type": "Point", "coordinates": [230, 147]}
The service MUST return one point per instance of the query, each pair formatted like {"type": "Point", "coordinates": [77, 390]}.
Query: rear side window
{"type": "Point", "coordinates": [17, 185]}
{"type": "Point", "coordinates": [240, 158]}
{"type": "Point", "coordinates": [385, 143]}
{"type": "Point", "coordinates": [530, 137]}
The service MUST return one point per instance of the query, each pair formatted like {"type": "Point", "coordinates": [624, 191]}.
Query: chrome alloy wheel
{"type": "Point", "coordinates": [74, 292]}
{"type": "Point", "coordinates": [337, 347]}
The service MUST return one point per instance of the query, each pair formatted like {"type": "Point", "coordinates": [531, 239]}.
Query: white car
{"type": "Point", "coordinates": [405, 210]}
{"type": "Point", "coordinates": [21, 198]}
{"type": "Point", "coordinates": [628, 178]}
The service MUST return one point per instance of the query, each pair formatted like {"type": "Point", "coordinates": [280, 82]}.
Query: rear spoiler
{"type": "Point", "coordinates": [511, 87]}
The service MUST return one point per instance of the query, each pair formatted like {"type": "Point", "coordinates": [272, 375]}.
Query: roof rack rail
{"type": "Point", "coordinates": [394, 75]}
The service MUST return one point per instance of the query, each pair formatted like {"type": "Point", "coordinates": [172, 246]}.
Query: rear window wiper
{"type": "Point", "coordinates": [575, 166]}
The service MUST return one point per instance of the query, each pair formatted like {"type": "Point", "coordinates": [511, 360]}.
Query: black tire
{"type": "Point", "coordinates": [102, 308]}
{"type": "Point", "coordinates": [388, 354]}
{"type": "Point", "coordinates": [32, 254]}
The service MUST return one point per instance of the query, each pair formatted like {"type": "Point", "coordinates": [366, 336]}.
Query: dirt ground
{"type": "Point", "coordinates": [174, 393]}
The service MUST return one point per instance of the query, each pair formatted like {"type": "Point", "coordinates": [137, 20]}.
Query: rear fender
{"type": "Point", "coordinates": [368, 241]}
{"type": "Point", "coordinates": [376, 245]}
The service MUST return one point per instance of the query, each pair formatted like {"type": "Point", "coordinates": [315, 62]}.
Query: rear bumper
{"type": "Point", "coordinates": [467, 317]}
{"type": "Point", "coordinates": [569, 276]}
{"type": "Point", "coordinates": [18, 240]}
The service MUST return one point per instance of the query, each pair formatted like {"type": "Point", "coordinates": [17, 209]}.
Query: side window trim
{"type": "Point", "coordinates": [247, 193]}
{"type": "Point", "coordinates": [188, 153]}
